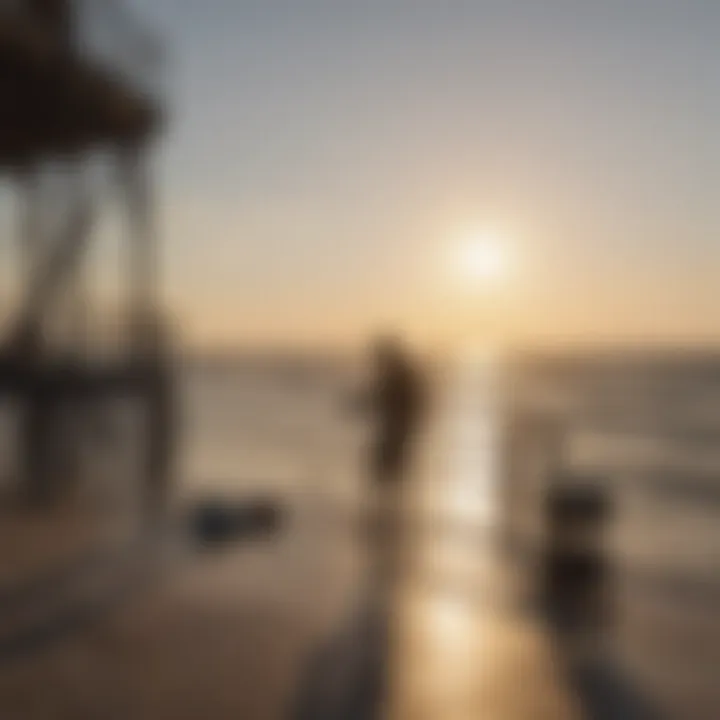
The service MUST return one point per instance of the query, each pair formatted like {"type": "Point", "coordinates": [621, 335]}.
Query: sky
{"type": "Point", "coordinates": [325, 158]}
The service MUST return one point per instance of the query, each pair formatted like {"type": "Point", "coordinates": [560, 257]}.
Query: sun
{"type": "Point", "coordinates": [482, 258]}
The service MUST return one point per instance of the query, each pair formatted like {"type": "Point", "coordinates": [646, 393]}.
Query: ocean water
{"type": "Point", "coordinates": [647, 431]}
{"type": "Point", "coordinates": [269, 429]}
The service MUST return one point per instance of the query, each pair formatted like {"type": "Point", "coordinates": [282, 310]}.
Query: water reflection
{"type": "Point", "coordinates": [420, 640]}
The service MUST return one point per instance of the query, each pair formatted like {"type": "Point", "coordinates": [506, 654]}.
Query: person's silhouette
{"type": "Point", "coordinates": [397, 400]}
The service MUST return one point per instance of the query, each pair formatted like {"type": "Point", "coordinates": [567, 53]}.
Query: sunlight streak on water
{"type": "Point", "coordinates": [472, 438]}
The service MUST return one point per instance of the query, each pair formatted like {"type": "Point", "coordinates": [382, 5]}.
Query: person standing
{"type": "Point", "coordinates": [397, 401]}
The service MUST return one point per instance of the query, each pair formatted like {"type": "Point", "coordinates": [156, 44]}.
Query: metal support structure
{"type": "Point", "coordinates": [51, 272]}
{"type": "Point", "coordinates": [142, 257]}
{"type": "Point", "coordinates": [141, 246]}
{"type": "Point", "coordinates": [69, 104]}
{"type": "Point", "coordinates": [28, 222]}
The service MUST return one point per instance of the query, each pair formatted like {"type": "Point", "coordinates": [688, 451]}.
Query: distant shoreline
{"type": "Point", "coordinates": [600, 352]}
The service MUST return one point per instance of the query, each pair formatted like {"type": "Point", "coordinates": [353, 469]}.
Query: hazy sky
{"type": "Point", "coordinates": [326, 156]}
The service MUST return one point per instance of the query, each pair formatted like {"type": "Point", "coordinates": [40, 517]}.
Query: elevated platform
{"type": "Point", "coordinates": [60, 99]}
